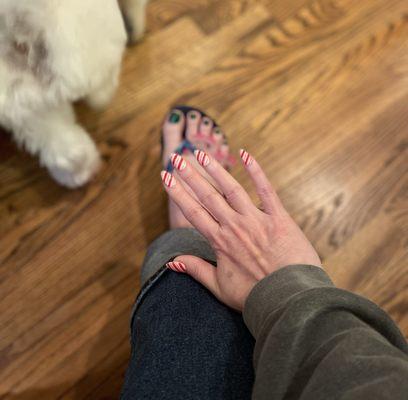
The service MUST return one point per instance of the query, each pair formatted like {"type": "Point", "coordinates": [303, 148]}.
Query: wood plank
{"type": "Point", "coordinates": [316, 90]}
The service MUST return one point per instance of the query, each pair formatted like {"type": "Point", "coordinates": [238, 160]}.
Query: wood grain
{"type": "Point", "coordinates": [316, 90]}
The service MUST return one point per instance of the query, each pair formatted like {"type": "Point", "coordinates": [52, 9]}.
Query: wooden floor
{"type": "Point", "coordinates": [317, 90]}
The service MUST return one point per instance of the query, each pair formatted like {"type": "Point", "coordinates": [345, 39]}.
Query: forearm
{"type": "Point", "coordinates": [316, 341]}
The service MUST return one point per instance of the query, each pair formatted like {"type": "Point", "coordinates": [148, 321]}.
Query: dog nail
{"type": "Point", "coordinates": [178, 162]}
{"type": "Point", "coordinates": [177, 266]}
{"type": "Point", "coordinates": [246, 158]}
{"type": "Point", "coordinates": [202, 157]}
{"type": "Point", "coordinates": [168, 179]}
{"type": "Point", "coordinates": [174, 117]}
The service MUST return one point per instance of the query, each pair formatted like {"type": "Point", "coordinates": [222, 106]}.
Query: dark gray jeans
{"type": "Point", "coordinates": [185, 343]}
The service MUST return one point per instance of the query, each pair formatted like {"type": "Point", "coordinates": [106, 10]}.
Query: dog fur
{"type": "Point", "coordinates": [52, 53]}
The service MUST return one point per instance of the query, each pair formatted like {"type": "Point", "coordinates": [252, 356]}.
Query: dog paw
{"type": "Point", "coordinates": [74, 165]}
{"type": "Point", "coordinates": [100, 99]}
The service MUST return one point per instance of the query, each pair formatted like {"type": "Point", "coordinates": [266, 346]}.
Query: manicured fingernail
{"type": "Point", "coordinates": [168, 179]}
{"type": "Point", "coordinates": [178, 162]}
{"type": "Point", "coordinates": [246, 158]}
{"type": "Point", "coordinates": [177, 266]}
{"type": "Point", "coordinates": [202, 157]}
{"type": "Point", "coordinates": [174, 117]}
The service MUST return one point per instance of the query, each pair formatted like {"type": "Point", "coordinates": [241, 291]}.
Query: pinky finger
{"type": "Point", "coordinates": [271, 203]}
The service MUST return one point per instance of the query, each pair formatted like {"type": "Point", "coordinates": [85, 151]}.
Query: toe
{"type": "Point", "coordinates": [215, 141]}
{"type": "Point", "coordinates": [217, 137]}
{"type": "Point", "coordinates": [223, 154]}
{"type": "Point", "coordinates": [172, 133]}
{"type": "Point", "coordinates": [193, 122]}
{"type": "Point", "coordinates": [206, 127]}
{"type": "Point", "coordinates": [174, 121]}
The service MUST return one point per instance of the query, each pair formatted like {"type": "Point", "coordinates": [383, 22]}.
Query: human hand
{"type": "Point", "coordinates": [249, 243]}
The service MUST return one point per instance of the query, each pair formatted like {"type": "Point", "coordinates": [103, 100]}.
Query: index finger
{"type": "Point", "coordinates": [194, 212]}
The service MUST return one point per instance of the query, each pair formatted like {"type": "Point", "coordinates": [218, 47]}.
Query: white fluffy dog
{"type": "Point", "coordinates": [54, 52]}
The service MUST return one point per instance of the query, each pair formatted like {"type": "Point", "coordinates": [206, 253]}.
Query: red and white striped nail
{"type": "Point", "coordinates": [178, 161]}
{"type": "Point", "coordinates": [177, 266]}
{"type": "Point", "coordinates": [168, 179]}
{"type": "Point", "coordinates": [246, 158]}
{"type": "Point", "coordinates": [202, 157]}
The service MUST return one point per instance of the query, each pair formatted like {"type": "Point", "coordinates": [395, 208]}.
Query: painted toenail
{"type": "Point", "coordinates": [206, 121]}
{"type": "Point", "coordinates": [178, 162]}
{"type": "Point", "coordinates": [193, 116]}
{"type": "Point", "coordinates": [217, 131]}
{"type": "Point", "coordinates": [174, 117]}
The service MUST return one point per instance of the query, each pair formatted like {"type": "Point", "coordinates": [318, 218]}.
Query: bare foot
{"type": "Point", "coordinates": [200, 131]}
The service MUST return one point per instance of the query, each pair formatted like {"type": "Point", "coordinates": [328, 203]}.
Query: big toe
{"type": "Point", "coordinates": [173, 128]}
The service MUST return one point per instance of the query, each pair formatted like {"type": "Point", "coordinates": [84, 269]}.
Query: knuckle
{"type": "Point", "coordinates": [194, 270]}
{"type": "Point", "coordinates": [265, 190]}
{"type": "Point", "coordinates": [233, 193]}
{"type": "Point", "coordinates": [193, 212]}
{"type": "Point", "coordinates": [210, 197]}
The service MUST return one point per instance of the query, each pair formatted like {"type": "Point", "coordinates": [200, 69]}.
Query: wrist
{"type": "Point", "coordinates": [277, 288]}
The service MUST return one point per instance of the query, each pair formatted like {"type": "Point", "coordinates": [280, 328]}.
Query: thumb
{"type": "Point", "coordinates": [200, 270]}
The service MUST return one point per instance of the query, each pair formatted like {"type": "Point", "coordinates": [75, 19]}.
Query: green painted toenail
{"type": "Point", "coordinates": [174, 118]}
{"type": "Point", "coordinates": [193, 116]}
{"type": "Point", "coordinates": [206, 122]}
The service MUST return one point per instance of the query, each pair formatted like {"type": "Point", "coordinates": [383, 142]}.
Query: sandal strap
{"type": "Point", "coordinates": [184, 146]}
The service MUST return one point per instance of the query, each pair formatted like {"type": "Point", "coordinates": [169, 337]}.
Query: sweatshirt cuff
{"type": "Point", "coordinates": [277, 288]}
